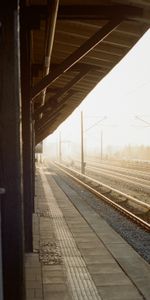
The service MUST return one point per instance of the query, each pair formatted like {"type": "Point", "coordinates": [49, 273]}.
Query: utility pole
{"type": "Point", "coordinates": [101, 144]}
{"type": "Point", "coordinates": [59, 148]}
{"type": "Point", "coordinates": [82, 147]}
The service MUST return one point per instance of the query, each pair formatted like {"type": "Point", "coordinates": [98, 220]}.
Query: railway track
{"type": "Point", "coordinates": [130, 183]}
{"type": "Point", "coordinates": [139, 175]}
{"type": "Point", "coordinates": [128, 178]}
{"type": "Point", "coordinates": [130, 166]}
{"type": "Point", "coordinates": [130, 173]}
{"type": "Point", "coordinates": [133, 208]}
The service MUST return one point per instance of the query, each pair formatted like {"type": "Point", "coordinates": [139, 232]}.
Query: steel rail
{"type": "Point", "coordinates": [117, 169]}
{"type": "Point", "coordinates": [134, 217]}
{"type": "Point", "coordinates": [110, 188]}
{"type": "Point", "coordinates": [123, 177]}
{"type": "Point", "coordinates": [144, 183]}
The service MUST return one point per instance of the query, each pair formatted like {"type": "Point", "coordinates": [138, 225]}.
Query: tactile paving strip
{"type": "Point", "coordinates": [79, 279]}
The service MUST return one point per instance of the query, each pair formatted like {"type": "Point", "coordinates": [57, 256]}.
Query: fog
{"type": "Point", "coordinates": [116, 114]}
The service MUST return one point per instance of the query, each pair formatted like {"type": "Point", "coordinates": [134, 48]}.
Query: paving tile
{"type": "Point", "coordinates": [122, 250]}
{"type": "Point", "coordinates": [104, 268]}
{"type": "Point", "coordinates": [50, 278]}
{"type": "Point", "coordinates": [139, 271]}
{"type": "Point", "coordinates": [38, 293]}
{"type": "Point", "coordinates": [57, 296]}
{"type": "Point", "coordinates": [132, 263]}
{"type": "Point", "coordinates": [29, 293]}
{"type": "Point", "coordinates": [52, 268]}
{"type": "Point", "coordinates": [109, 237]}
{"type": "Point", "coordinates": [33, 284]}
{"type": "Point", "coordinates": [94, 251]}
{"type": "Point", "coordinates": [88, 245]}
{"type": "Point", "coordinates": [110, 279]}
{"type": "Point", "coordinates": [78, 230]}
{"type": "Point", "coordinates": [119, 292]}
{"type": "Point", "coordinates": [32, 263]}
{"type": "Point", "coordinates": [33, 275]}
{"type": "Point", "coordinates": [97, 259]}
{"type": "Point", "coordinates": [53, 273]}
{"type": "Point", "coordinates": [85, 234]}
{"type": "Point", "coordinates": [53, 287]}
{"type": "Point", "coordinates": [88, 239]}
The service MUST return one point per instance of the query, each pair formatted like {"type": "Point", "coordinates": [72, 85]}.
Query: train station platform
{"type": "Point", "coordinates": [77, 255]}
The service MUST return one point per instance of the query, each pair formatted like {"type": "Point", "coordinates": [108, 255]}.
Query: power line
{"type": "Point", "coordinates": [95, 124]}
{"type": "Point", "coordinates": [139, 118]}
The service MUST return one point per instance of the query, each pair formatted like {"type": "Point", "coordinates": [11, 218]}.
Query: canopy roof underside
{"type": "Point", "coordinates": [73, 48]}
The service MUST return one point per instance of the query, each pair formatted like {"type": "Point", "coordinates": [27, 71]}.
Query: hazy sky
{"type": "Point", "coordinates": [123, 94]}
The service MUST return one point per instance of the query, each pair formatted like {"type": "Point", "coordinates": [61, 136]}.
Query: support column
{"type": "Point", "coordinates": [33, 157]}
{"type": "Point", "coordinates": [26, 133]}
{"type": "Point", "coordinates": [11, 154]}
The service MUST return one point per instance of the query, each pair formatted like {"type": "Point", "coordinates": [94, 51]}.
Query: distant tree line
{"type": "Point", "coordinates": [133, 152]}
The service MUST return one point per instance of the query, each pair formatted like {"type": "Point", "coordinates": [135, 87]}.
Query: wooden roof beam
{"type": "Point", "coordinates": [106, 12]}
{"type": "Point", "coordinates": [77, 67]}
{"type": "Point", "coordinates": [48, 125]}
{"type": "Point", "coordinates": [54, 109]}
{"type": "Point", "coordinates": [76, 56]}
{"type": "Point", "coordinates": [35, 68]}
{"type": "Point", "coordinates": [85, 12]}
{"type": "Point", "coordinates": [33, 15]}
{"type": "Point", "coordinates": [42, 135]}
{"type": "Point", "coordinates": [50, 102]}
{"type": "Point", "coordinates": [58, 106]}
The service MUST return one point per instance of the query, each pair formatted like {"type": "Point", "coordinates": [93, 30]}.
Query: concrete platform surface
{"type": "Point", "coordinates": [77, 255]}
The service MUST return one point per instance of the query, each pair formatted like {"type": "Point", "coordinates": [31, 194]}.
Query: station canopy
{"type": "Point", "coordinates": [73, 45]}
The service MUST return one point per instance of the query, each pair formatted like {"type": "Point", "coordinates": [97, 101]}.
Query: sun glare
{"type": "Point", "coordinates": [118, 107]}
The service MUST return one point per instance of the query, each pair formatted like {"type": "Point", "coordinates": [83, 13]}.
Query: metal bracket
{"type": "Point", "coordinates": [2, 191]}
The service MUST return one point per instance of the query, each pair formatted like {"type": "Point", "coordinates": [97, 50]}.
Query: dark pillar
{"type": "Point", "coordinates": [33, 156]}
{"type": "Point", "coordinates": [26, 132]}
{"type": "Point", "coordinates": [11, 154]}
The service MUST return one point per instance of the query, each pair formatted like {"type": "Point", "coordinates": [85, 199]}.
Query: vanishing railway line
{"type": "Point", "coordinates": [134, 183]}
{"type": "Point", "coordinates": [128, 178]}
{"type": "Point", "coordinates": [145, 175]}
{"type": "Point", "coordinates": [129, 166]}
{"type": "Point", "coordinates": [133, 208]}
{"type": "Point", "coordinates": [132, 173]}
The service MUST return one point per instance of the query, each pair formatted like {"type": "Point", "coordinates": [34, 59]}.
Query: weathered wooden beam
{"type": "Point", "coordinates": [53, 112]}
{"type": "Point", "coordinates": [11, 156]}
{"type": "Point", "coordinates": [79, 67]}
{"type": "Point", "coordinates": [49, 124]}
{"type": "Point", "coordinates": [106, 12]}
{"type": "Point", "coordinates": [75, 56]}
{"type": "Point", "coordinates": [33, 155]}
{"type": "Point", "coordinates": [85, 12]}
{"type": "Point", "coordinates": [47, 129]}
{"type": "Point", "coordinates": [36, 68]}
{"type": "Point", "coordinates": [26, 132]}
{"type": "Point", "coordinates": [33, 15]}
{"type": "Point", "coordinates": [42, 135]}
{"type": "Point", "coordinates": [50, 102]}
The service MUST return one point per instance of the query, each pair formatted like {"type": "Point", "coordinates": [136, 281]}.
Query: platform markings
{"type": "Point", "coordinates": [80, 281]}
